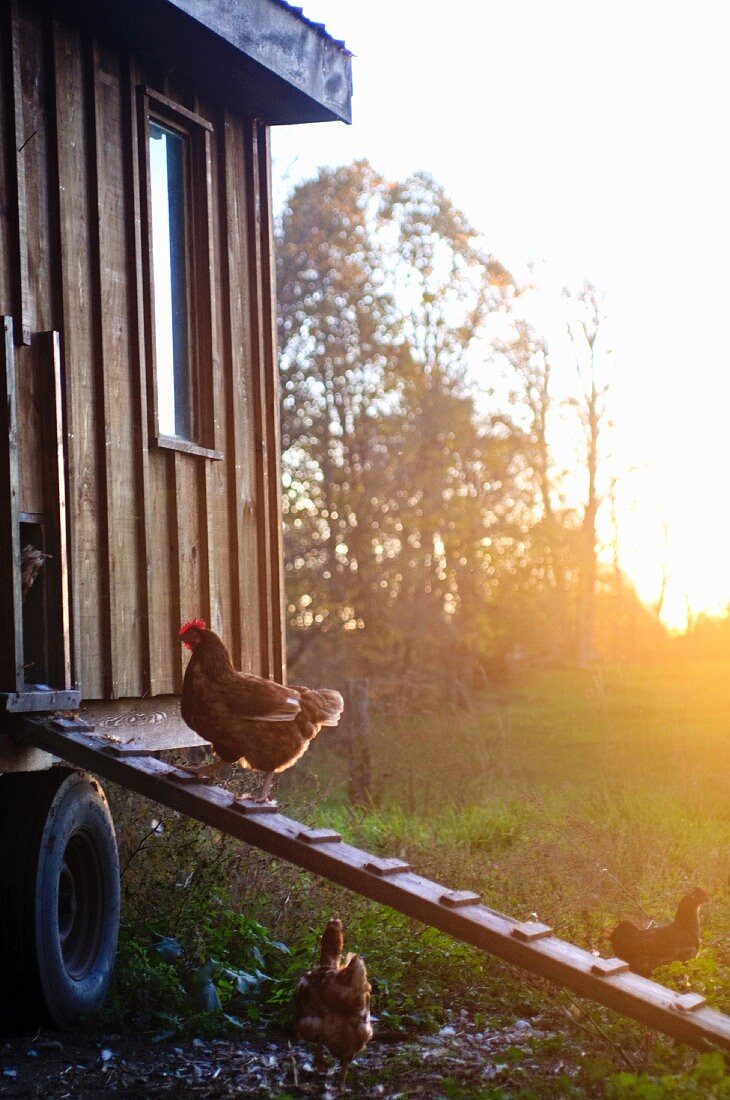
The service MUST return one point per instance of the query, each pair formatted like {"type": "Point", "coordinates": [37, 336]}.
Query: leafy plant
{"type": "Point", "coordinates": [708, 1080]}
{"type": "Point", "coordinates": [146, 985]}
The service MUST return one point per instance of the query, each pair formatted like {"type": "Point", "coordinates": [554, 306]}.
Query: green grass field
{"type": "Point", "coordinates": [544, 798]}
{"type": "Point", "coordinates": [573, 780]}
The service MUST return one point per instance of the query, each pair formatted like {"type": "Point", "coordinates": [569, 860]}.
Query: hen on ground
{"type": "Point", "coordinates": [247, 719]}
{"type": "Point", "coordinates": [332, 1003]}
{"type": "Point", "coordinates": [644, 949]}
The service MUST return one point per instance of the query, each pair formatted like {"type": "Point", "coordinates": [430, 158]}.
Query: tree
{"type": "Point", "coordinates": [544, 601]}
{"type": "Point", "coordinates": [337, 332]}
{"type": "Point", "coordinates": [454, 468]}
{"type": "Point", "coordinates": [391, 481]}
{"type": "Point", "coordinates": [585, 329]}
{"type": "Point", "coordinates": [425, 534]}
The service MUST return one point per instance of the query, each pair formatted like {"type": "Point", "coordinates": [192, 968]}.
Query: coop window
{"type": "Point", "coordinates": [178, 279]}
{"type": "Point", "coordinates": [175, 379]}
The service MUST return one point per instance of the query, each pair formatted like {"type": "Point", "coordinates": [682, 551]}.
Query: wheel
{"type": "Point", "coordinates": [59, 897]}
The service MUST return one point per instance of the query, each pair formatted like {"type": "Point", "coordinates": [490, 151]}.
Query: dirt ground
{"type": "Point", "coordinates": [459, 1058]}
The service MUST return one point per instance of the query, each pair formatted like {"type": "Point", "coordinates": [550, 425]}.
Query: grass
{"type": "Point", "coordinates": [544, 798]}
{"type": "Point", "coordinates": [577, 780]}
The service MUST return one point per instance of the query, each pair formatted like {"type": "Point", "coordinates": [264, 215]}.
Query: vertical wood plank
{"type": "Point", "coordinates": [130, 78]}
{"type": "Point", "coordinates": [56, 488]}
{"type": "Point", "coordinates": [223, 618]}
{"type": "Point", "coordinates": [119, 515]}
{"type": "Point", "coordinates": [275, 542]}
{"type": "Point", "coordinates": [190, 537]}
{"type": "Point", "coordinates": [73, 127]}
{"type": "Point", "coordinates": [261, 458]}
{"type": "Point", "coordinates": [164, 607]}
{"type": "Point", "coordinates": [17, 197]}
{"type": "Point", "coordinates": [11, 654]}
{"type": "Point", "coordinates": [35, 167]}
{"type": "Point", "coordinates": [208, 366]}
{"type": "Point", "coordinates": [208, 363]}
{"type": "Point", "coordinates": [166, 656]}
{"type": "Point", "coordinates": [241, 427]}
{"type": "Point", "coordinates": [7, 244]}
{"type": "Point", "coordinates": [211, 373]}
{"type": "Point", "coordinates": [29, 383]}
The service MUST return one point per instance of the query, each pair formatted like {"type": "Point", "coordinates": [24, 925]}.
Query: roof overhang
{"type": "Point", "coordinates": [262, 56]}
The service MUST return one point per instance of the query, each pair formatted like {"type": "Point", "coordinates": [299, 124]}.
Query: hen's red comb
{"type": "Point", "coordinates": [197, 624]}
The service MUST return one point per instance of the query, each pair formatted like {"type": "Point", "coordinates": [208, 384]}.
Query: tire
{"type": "Point", "coordinates": [59, 897]}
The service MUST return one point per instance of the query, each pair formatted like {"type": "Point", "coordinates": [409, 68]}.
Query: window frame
{"type": "Point", "coordinates": [153, 107]}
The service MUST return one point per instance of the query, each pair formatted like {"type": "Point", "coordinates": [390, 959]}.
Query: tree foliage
{"type": "Point", "coordinates": [426, 536]}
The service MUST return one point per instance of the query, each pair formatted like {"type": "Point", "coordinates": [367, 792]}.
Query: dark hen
{"type": "Point", "coordinates": [332, 1002]}
{"type": "Point", "coordinates": [256, 722]}
{"type": "Point", "coordinates": [644, 949]}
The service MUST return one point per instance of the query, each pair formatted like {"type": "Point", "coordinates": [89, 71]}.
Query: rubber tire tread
{"type": "Point", "coordinates": [25, 802]}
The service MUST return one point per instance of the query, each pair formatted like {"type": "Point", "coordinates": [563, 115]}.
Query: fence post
{"type": "Point", "coordinates": [358, 740]}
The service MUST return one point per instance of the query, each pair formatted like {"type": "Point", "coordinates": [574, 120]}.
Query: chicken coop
{"type": "Point", "coordinates": [139, 466]}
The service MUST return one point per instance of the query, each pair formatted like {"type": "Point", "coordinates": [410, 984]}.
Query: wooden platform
{"type": "Point", "coordinates": [132, 727]}
{"type": "Point", "coordinates": [142, 725]}
{"type": "Point", "coordinates": [460, 913]}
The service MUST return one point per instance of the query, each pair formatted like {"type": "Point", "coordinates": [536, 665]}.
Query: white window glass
{"type": "Point", "coordinates": [175, 399]}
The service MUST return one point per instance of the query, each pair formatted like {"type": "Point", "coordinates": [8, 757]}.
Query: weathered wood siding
{"type": "Point", "coordinates": [155, 535]}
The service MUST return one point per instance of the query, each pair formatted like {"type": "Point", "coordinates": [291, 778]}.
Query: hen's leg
{"type": "Point", "coordinates": [320, 1066]}
{"type": "Point", "coordinates": [344, 1066]}
{"type": "Point", "coordinates": [265, 792]}
{"type": "Point", "coordinates": [204, 771]}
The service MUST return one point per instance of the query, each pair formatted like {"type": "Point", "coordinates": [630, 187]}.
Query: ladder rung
{"type": "Point", "coordinates": [606, 968]}
{"type": "Point", "coordinates": [531, 930]}
{"type": "Point", "coordinates": [457, 899]}
{"type": "Point", "coordinates": [689, 1002]}
{"type": "Point", "coordinates": [384, 867]}
{"type": "Point", "coordinates": [318, 836]}
{"type": "Point", "coordinates": [248, 806]}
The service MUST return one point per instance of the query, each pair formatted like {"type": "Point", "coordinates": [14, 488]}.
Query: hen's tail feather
{"type": "Point", "coordinates": [625, 938]}
{"type": "Point", "coordinates": [323, 705]}
{"type": "Point", "coordinates": [354, 975]}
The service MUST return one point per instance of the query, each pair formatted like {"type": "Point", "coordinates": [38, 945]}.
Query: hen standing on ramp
{"type": "Point", "coordinates": [644, 949]}
{"type": "Point", "coordinates": [332, 1002]}
{"type": "Point", "coordinates": [257, 722]}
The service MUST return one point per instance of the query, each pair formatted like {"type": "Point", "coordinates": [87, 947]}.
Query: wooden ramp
{"type": "Point", "coordinates": [391, 882]}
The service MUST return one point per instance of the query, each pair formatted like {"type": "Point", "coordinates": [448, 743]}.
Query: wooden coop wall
{"type": "Point", "coordinates": [156, 534]}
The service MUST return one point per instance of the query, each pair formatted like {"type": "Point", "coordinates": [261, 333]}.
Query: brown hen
{"type": "Point", "coordinates": [258, 723]}
{"type": "Point", "coordinates": [332, 1003]}
{"type": "Point", "coordinates": [644, 949]}
{"type": "Point", "coordinates": [32, 561]}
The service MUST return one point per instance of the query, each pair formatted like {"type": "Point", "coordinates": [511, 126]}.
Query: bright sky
{"type": "Point", "coordinates": [592, 138]}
